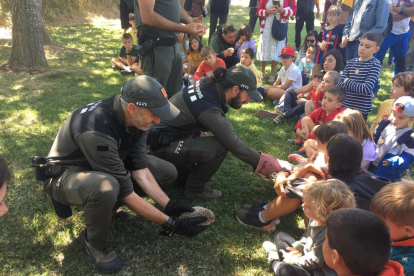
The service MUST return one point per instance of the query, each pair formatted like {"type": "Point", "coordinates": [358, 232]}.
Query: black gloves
{"type": "Point", "coordinates": [176, 209]}
{"type": "Point", "coordinates": [189, 226]}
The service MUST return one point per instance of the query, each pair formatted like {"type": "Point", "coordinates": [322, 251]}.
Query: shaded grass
{"type": "Point", "coordinates": [33, 241]}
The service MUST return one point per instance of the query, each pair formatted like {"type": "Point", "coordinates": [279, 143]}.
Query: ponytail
{"type": "Point", "coordinates": [219, 77]}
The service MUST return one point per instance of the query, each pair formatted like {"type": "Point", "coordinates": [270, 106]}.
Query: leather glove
{"type": "Point", "coordinates": [269, 164]}
{"type": "Point", "coordinates": [189, 226]}
{"type": "Point", "coordinates": [176, 209]}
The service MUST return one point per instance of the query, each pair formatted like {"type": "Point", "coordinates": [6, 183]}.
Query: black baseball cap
{"type": "Point", "coordinates": [144, 91]}
{"type": "Point", "coordinates": [244, 77]}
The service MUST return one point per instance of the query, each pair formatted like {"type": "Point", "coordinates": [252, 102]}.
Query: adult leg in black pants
{"type": "Point", "coordinates": [282, 241]}
{"type": "Point", "coordinates": [252, 18]}
{"type": "Point", "coordinates": [300, 20]}
{"type": "Point", "coordinates": [213, 23]}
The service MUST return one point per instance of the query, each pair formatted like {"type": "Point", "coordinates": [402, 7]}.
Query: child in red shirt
{"type": "Point", "coordinates": [330, 107]}
{"type": "Point", "coordinates": [209, 63]}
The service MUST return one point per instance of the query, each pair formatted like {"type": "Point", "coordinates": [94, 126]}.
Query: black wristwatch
{"type": "Point", "coordinates": [402, 10]}
{"type": "Point", "coordinates": [168, 227]}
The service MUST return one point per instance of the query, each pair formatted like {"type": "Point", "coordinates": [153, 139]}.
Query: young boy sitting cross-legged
{"type": "Point", "coordinates": [357, 242]}
{"type": "Point", "coordinates": [330, 107]}
{"type": "Point", "coordinates": [394, 203]}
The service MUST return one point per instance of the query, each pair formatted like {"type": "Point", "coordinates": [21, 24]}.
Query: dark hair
{"type": "Point", "coordinates": [245, 30]}
{"type": "Point", "coordinates": [327, 130]}
{"type": "Point", "coordinates": [310, 33]}
{"type": "Point", "coordinates": [345, 156]}
{"type": "Point", "coordinates": [318, 76]}
{"type": "Point", "coordinates": [228, 28]}
{"type": "Point", "coordinates": [248, 51]}
{"type": "Point", "coordinates": [131, 16]}
{"type": "Point", "coordinates": [4, 172]}
{"type": "Point", "coordinates": [361, 238]}
{"type": "Point", "coordinates": [406, 79]}
{"type": "Point", "coordinates": [338, 58]}
{"type": "Point", "coordinates": [219, 77]}
{"type": "Point", "coordinates": [126, 36]}
{"type": "Point", "coordinates": [200, 46]}
{"type": "Point", "coordinates": [377, 37]}
{"type": "Point", "coordinates": [338, 92]}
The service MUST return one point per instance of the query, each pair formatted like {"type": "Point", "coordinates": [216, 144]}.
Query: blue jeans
{"type": "Point", "coordinates": [352, 50]}
{"type": "Point", "coordinates": [399, 47]}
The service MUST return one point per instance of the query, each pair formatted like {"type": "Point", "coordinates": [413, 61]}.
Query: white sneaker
{"type": "Point", "coordinates": [271, 250]}
{"type": "Point", "coordinates": [127, 69]}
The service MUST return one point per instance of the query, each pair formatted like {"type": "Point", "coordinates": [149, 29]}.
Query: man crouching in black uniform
{"type": "Point", "coordinates": [102, 148]}
{"type": "Point", "coordinates": [202, 108]}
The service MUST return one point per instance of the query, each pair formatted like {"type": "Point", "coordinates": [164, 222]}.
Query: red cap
{"type": "Point", "coordinates": [287, 51]}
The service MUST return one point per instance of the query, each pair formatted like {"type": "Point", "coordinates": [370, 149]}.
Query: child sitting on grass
{"type": "Point", "coordinates": [127, 58]}
{"type": "Point", "coordinates": [358, 129]}
{"type": "Point", "coordinates": [357, 242]}
{"type": "Point", "coordinates": [247, 59]}
{"type": "Point", "coordinates": [395, 205]}
{"type": "Point", "coordinates": [306, 64]}
{"type": "Point", "coordinates": [331, 106]}
{"type": "Point", "coordinates": [245, 40]}
{"type": "Point", "coordinates": [289, 75]}
{"type": "Point", "coordinates": [209, 64]}
{"type": "Point", "coordinates": [288, 256]}
{"type": "Point", "coordinates": [361, 75]}
{"type": "Point", "coordinates": [194, 54]}
{"type": "Point", "coordinates": [132, 30]}
{"type": "Point", "coordinates": [394, 141]}
{"type": "Point", "coordinates": [402, 85]}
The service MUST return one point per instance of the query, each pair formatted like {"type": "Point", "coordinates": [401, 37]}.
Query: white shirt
{"type": "Point", "coordinates": [356, 22]}
{"type": "Point", "coordinates": [292, 73]}
{"type": "Point", "coordinates": [401, 26]}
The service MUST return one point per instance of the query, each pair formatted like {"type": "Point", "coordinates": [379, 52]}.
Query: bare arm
{"type": "Point", "coordinates": [150, 17]}
{"type": "Point", "coordinates": [286, 85]}
{"type": "Point", "coordinates": [143, 208]}
{"type": "Point", "coordinates": [149, 185]}
{"type": "Point", "coordinates": [408, 11]}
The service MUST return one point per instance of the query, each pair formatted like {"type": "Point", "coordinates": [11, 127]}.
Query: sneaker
{"type": "Point", "coordinates": [116, 68]}
{"type": "Point", "coordinates": [266, 114]}
{"type": "Point", "coordinates": [251, 218]}
{"type": "Point", "coordinates": [279, 119]}
{"type": "Point", "coordinates": [127, 72]}
{"type": "Point", "coordinates": [254, 207]}
{"type": "Point", "coordinates": [297, 141]}
{"type": "Point", "coordinates": [106, 260]}
{"type": "Point", "coordinates": [271, 251]}
{"type": "Point", "coordinates": [207, 193]}
{"type": "Point", "coordinates": [297, 158]}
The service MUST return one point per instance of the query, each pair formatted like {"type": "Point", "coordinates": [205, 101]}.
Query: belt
{"type": "Point", "coordinates": [159, 41]}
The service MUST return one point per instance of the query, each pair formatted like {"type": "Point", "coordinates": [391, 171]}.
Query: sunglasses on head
{"type": "Point", "coordinates": [310, 40]}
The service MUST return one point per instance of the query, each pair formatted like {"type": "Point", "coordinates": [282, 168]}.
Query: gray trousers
{"type": "Point", "coordinates": [98, 193]}
{"type": "Point", "coordinates": [201, 157]}
{"type": "Point", "coordinates": [164, 63]}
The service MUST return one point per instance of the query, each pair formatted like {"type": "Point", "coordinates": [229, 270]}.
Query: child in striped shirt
{"type": "Point", "coordinates": [361, 74]}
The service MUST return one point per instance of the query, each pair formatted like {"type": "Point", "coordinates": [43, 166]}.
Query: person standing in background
{"type": "Point", "coordinates": [219, 10]}
{"type": "Point", "coordinates": [304, 14]}
{"type": "Point", "coordinates": [253, 14]}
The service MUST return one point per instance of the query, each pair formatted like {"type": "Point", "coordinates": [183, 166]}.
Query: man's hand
{"type": "Point", "coordinates": [176, 209]}
{"type": "Point", "coordinates": [290, 256]}
{"type": "Point", "coordinates": [189, 226]}
{"type": "Point", "coordinates": [198, 19]}
{"type": "Point", "coordinates": [228, 52]}
{"type": "Point", "coordinates": [195, 29]}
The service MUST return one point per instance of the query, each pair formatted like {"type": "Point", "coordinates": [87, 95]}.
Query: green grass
{"type": "Point", "coordinates": [33, 241]}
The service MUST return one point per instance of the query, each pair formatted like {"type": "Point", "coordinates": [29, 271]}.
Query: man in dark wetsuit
{"type": "Point", "coordinates": [102, 150]}
{"type": "Point", "coordinates": [202, 108]}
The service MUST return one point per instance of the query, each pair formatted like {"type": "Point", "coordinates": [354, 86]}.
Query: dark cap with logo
{"type": "Point", "coordinates": [144, 91]}
{"type": "Point", "coordinates": [244, 77]}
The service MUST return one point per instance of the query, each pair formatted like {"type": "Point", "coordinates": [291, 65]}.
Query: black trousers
{"type": "Point", "coordinates": [213, 23]}
{"type": "Point", "coordinates": [253, 18]}
{"type": "Point", "coordinates": [124, 14]}
{"type": "Point", "coordinates": [282, 241]}
{"type": "Point", "coordinates": [303, 17]}
{"type": "Point", "coordinates": [199, 158]}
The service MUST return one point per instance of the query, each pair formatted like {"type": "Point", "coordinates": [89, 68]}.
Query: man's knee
{"type": "Point", "coordinates": [103, 188]}
{"type": "Point", "coordinates": [164, 172]}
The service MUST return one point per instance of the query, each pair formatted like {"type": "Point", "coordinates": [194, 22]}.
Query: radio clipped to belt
{"type": "Point", "coordinates": [45, 170]}
{"type": "Point", "coordinates": [148, 42]}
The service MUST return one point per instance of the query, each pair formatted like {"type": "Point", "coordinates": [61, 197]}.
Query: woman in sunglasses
{"type": "Point", "coordinates": [310, 40]}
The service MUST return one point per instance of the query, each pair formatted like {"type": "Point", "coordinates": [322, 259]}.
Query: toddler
{"type": "Point", "coordinates": [394, 203]}
{"type": "Point", "coordinates": [402, 85]}
{"type": "Point", "coordinates": [209, 63]}
{"type": "Point", "coordinates": [289, 256]}
{"type": "Point", "coordinates": [306, 64]}
{"type": "Point", "coordinates": [394, 141]}
{"type": "Point", "coordinates": [358, 243]}
{"type": "Point", "coordinates": [310, 40]}
{"type": "Point", "coordinates": [245, 40]}
{"type": "Point", "coordinates": [247, 59]}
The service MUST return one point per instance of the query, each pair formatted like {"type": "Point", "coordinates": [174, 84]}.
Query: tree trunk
{"type": "Point", "coordinates": [28, 31]}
